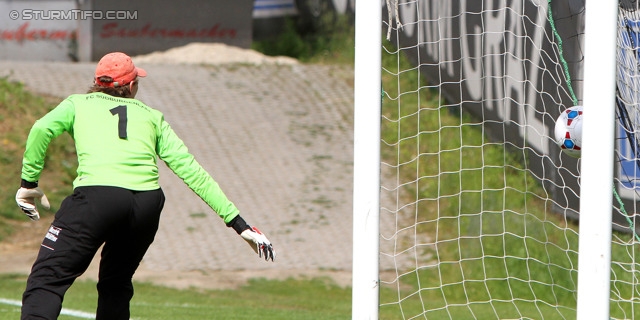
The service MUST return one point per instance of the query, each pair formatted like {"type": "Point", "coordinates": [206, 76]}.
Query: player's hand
{"type": "Point", "coordinates": [26, 199]}
{"type": "Point", "coordinates": [259, 243]}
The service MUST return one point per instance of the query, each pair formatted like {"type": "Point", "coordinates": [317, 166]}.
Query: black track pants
{"type": "Point", "coordinates": [124, 221]}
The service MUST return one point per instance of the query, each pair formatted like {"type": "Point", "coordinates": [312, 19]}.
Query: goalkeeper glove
{"type": "Point", "coordinates": [26, 199]}
{"type": "Point", "coordinates": [259, 243]}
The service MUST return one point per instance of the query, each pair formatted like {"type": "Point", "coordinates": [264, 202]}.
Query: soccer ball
{"type": "Point", "coordinates": [568, 131]}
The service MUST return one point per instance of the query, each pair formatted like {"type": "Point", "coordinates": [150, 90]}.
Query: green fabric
{"type": "Point", "coordinates": [118, 141]}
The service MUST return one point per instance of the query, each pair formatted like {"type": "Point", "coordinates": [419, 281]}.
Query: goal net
{"type": "Point", "coordinates": [479, 206]}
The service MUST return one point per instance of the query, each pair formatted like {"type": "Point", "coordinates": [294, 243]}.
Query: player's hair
{"type": "Point", "coordinates": [119, 91]}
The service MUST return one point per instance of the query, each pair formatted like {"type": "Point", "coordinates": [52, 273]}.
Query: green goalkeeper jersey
{"type": "Point", "coordinates": [118, 141]}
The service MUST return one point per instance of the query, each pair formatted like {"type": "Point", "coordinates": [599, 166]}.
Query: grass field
{"type": "Point", "coordinates": [259, 299]}
{"type": "Point", "coordinates": [18, 110]}
{"type": "Point", "coordinates": [503, 252]}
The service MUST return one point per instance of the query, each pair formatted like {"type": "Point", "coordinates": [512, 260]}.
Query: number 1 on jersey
{"type": "Point", "coordinates": [121, 111]}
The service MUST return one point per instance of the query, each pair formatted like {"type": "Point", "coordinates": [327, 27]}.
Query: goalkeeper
{"type": "Point", "coordinates": [116, 199]}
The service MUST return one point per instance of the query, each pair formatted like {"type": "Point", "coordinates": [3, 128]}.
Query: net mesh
{"type": "Point", "coordinates": [479, 204]}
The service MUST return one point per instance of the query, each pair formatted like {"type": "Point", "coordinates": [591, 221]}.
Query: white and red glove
{"type": "Point", "coordinates": [259, 243]}
{"type": "Point", "coordinates": [26, 199]}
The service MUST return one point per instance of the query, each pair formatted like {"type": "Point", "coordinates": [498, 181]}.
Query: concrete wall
{"type": "Point", "coordinates": [26, 34]}
{"type": "Point", "coordinates": [163, 24]}
{"type": "Point", "coordinates": [68, 30]}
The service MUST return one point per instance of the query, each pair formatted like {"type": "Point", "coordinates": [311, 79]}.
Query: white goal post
{"type": "Point", "coordinates": [366, 163]}
{"type": "Point", "coordinates": [594, 255]}
{"type": "Point", "coordinates": [464, 206]}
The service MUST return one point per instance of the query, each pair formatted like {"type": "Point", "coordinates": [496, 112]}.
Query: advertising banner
{"type": "Point", "coordinates": [62, 30]}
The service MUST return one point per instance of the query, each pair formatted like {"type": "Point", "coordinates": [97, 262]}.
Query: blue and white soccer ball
{"type": "Point", "coordinates": [568, 131]}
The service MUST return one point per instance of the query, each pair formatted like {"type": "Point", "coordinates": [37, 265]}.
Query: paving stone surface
{"type": "Point", "coordinates": [279, 141]}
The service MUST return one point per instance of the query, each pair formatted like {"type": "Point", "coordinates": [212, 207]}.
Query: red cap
{"type": "Point", "coordinates": [118, 66]}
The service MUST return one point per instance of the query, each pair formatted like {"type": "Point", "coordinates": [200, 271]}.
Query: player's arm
{"type": "Point", "coordinates": [54, 123]}
{"type": "Point", "coordinates": [175, 154]}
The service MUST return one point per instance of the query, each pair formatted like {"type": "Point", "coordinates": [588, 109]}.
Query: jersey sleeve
{"type": "Point", "coordinates": [54, 123]}
{"type": "Point", "coordinates": [172, 150]}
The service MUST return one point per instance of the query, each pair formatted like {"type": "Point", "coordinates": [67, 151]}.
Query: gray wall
{"type": "Point", "coordinates": [134, 27]}
{"type": "Point", "coordinates": [24, 37]}
{"type": "Point", "coordinates": [163, 24]}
